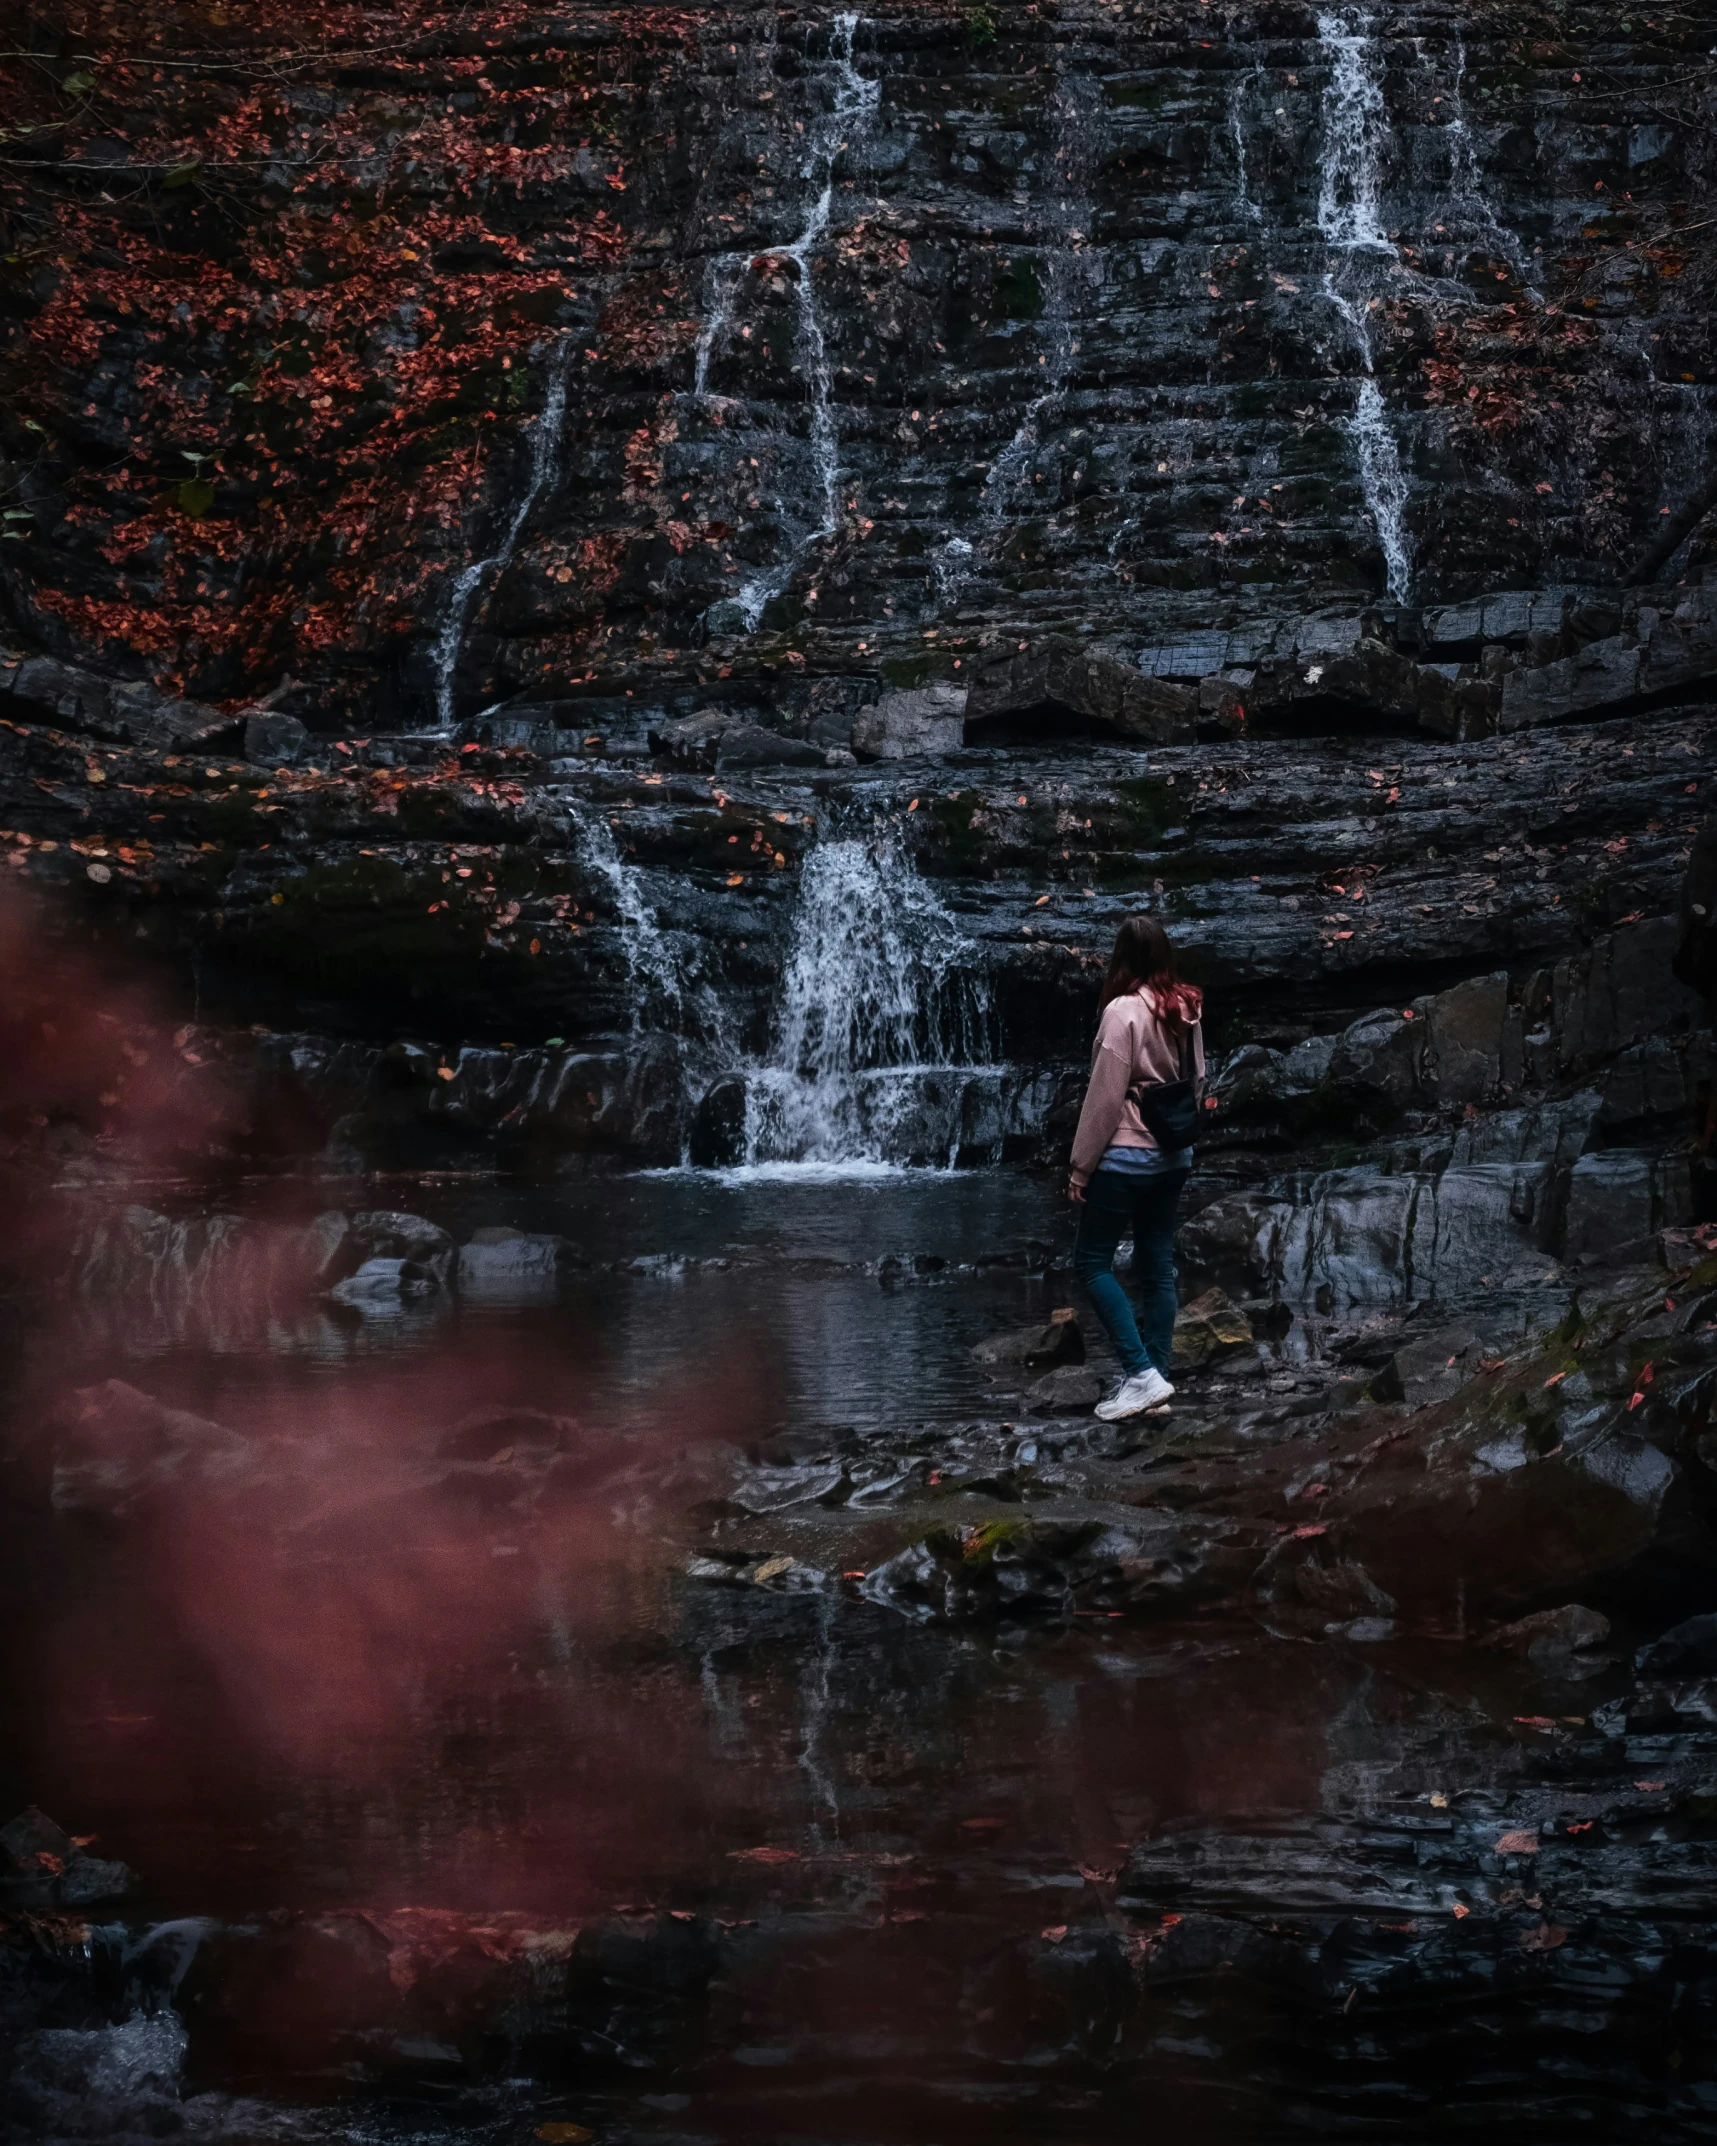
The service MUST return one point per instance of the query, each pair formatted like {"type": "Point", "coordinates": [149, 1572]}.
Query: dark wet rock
{"type": "Point", "coordinates": [1208, 1329]}
{"type": "Point", "coordinates": [1073, 1390]}
{"type": "Point", "coordinates": [117, 1451]}
{"type": "Point", "coordinates": [1688, 1649]}
{"type": "Point", "coordinates": [1696, 928]}
{"type": "Point", "coordinates": [402, 1236]}
{"type": "Point", "coordinates": [1054, 688]}
{"type": "Point", "coordinates": [1037, 1348]}
{"type": "Point", "coordinates": [104, 2081]}
{"type": "Point", "coordinates": [511, 1266]}
{"type": "Point", "coordinates": [908, 722]}
{"type": "Point", "coordinates": [41, 1865]}
{"type": "Point", "coordinates": [382, 1286]}
{"type": "Point", "coordinates": [1552, 1635]}
{"type": "Point", "coordinates": [273, 740]}
{"type": "Point", "coordinates": [717, 1138]}
{"type": "Point", "coordinates": [749, 745]}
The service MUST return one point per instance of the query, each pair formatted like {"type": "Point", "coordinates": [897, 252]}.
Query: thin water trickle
{"type": "Point", "coordinates": [840, 131]}
{"type": "Point", "coordinates": [1350, 217]}
{"type": "Point", "coordinates": [656, 972]}
{"type": "Point", "coordinates": [545, 458]}
{"type": "Point", "coordinates": [1064, 270]}
{"type": "Point", "coordinates": [1466, 180]}
{"type": "Point", "coordinates": [1239, 96]}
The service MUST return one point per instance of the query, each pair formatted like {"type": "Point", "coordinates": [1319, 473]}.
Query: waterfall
{"type": "Point", "coordinates": [545, 456]}
{"type": "Point", "coordinates": [656, 973]}
{"type": "Point", "coordinates": [1355, 134]}
{"type": "Point", "coordinates": [852, 110]}
{"type": "Point", "coordinates": [883, 1026]}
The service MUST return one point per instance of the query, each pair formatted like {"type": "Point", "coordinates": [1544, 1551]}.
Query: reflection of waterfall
{"type": "Point", "coordinates": [813, 1762]}
{"type": "Point", "coordinates": [884, 1027]}
{"type": "Point", "coordinates": [1356, 131]}
{"type": "Point", "coordinates": [545, 455]}
{"type": "Point", "coordinates": [852, 109]}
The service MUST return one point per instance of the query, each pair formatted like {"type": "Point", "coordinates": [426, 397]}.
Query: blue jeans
{"type": "Point", "coordinates": [1116, 1201]}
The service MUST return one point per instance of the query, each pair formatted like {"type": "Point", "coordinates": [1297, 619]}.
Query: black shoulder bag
{"type": "Point", "coordinates": [1169, 1108]}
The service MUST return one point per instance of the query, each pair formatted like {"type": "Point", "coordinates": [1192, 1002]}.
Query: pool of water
{"type": "Point", "coordinates": [466, 1823]}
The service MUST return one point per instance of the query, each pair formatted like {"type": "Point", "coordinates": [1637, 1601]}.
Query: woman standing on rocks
{"type": "Point", "coordinates": [1132, 1154]}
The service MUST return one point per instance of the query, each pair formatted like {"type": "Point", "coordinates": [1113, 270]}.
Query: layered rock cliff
{"type": "Point", "coordinates": [626, 578]}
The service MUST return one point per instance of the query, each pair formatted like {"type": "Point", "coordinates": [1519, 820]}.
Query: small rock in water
{"type": "Point", "coordinates": [1548, 1634]}
{"type": "Point", "coordinates": [380, 1284]}
{"type": "Point", "coordinates": [1209, 1328]}
{"type": "Point", "coordinates": [1687, 1649]}
{"type": "Point", "coordinates": [1038, 1348]}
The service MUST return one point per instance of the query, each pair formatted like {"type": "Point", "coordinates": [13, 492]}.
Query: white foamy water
{"type": "Point", "coordinates": [1350, 216]}
{"type": "Point", "coordinates": [544, 461]}
{"type": "Point", "coordinates": [884, 1035]}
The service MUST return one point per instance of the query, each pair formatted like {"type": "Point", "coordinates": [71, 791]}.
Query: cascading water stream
{"type": "Point", "coordinates": [884, 1023]}
{"type": "Point", "coordinates": [1355, 134]}
{"type": "Point", "coordinates": [1244, 90]}
{"type": "Point", "coordinates": [853, 106]}
{"type": "Point", "coordinates": [1466, 181]}
{"type": "Point", "coordinates": [655, 974]}
{"type": "Point", "coordinates": [545, 459]}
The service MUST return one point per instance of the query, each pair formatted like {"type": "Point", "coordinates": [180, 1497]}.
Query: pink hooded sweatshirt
{"type": "Point", "coordinates": [1133, 1044]}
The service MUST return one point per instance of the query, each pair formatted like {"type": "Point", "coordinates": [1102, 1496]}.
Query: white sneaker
{"type": "Point", "coordinates": [1145, 1389]}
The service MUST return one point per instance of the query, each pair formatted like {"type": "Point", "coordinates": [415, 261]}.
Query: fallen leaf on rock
{"type": "Point", "coordinates": [1647, 1788]}
{"type": "Point", "coordinates": [1541, 1722]}
{"type": "Point", "coordinates": [1314, 1528]}
{"type": "Point", "coordinates": [983, 1825]}
{"type": "Point", "coordinates": [763, 1855]}
{"type": "Point", "coordinates": [1460, 1912]}
{"type": "Point", "coordinates": [1056, 1932]}
{"type": "Point", "coordinates": [772, 1569]}
{"type": "Point", "coordinates": [1521, 1843]}
{"type": "Point", "coordinates": [1545, 1938]}
{"type": "Point", "coordinates": [563, 2134]}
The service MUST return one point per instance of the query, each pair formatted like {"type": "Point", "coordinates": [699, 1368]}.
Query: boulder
{"type": "Point", "coordinates": [1056, 686]}
{"type": "Point", "coordinates": [385, 1234]}
{"type": "Point", "coordinates": [41, 1861]}
{"type": "Point", "coordinates": [1551, 1635]}
{"type": "Point", "coordinates": [1209, 1328]}
{"type": "Point", "coordinates": [381, 1286]}
{"type": "Point", "coordinates": [744, 745]}
{"type": "Point", "coordinates": [115, 1446]}
{"type": "Point", "coordinates": [693, 741]}
{"type": "Point", "coordinates": [1688, 1649]}
{"type": "Point", "coordinates": [272, 740]}
{"type": "Point", "coordinates": [507, 1266]}
{"type": "Point", "coordinates": [906, 723]}
{"type": "Point", "coordinates": [1037, 1348]}
{"type": "Point", "coordinates": [1073, 1390]}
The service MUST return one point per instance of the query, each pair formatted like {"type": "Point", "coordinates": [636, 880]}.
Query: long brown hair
{"type": "Point", "coordinates": [1144, 960]}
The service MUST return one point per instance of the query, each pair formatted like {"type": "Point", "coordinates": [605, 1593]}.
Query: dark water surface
{"type": "Point", "coordinates": [837, 1877]}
